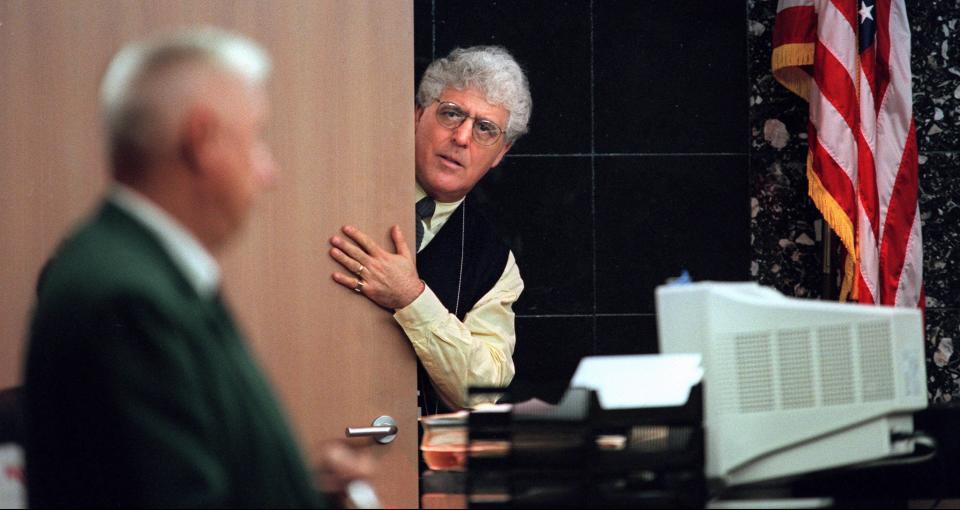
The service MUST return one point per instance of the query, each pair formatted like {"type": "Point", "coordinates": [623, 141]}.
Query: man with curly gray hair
{"type": "Point", "coordinates": [455, 303]}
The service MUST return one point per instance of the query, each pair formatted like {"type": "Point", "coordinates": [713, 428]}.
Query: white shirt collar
{"type": "Point", "coordinates": [442, 212]}
{"type": "Point", "coordinates": [193, 260]}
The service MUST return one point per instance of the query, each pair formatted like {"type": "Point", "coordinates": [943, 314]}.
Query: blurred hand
{"type": "Point", "coordinates": [340, 465]}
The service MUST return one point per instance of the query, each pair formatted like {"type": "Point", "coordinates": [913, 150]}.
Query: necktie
{"type": "Point", "coordinates": [425, 208]}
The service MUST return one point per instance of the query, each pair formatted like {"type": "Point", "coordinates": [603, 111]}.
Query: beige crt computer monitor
{"type": "Point", "coordinates": [793, 386]}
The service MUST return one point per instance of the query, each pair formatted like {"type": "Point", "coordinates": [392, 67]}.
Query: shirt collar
{"type": "Point", "coordinates": [193, 260]}
{"type": "Point", "coordinates": [443, 211]}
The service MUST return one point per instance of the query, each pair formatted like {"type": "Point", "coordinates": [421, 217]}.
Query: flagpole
{"type": "Point", "coordinates": [826, 291]}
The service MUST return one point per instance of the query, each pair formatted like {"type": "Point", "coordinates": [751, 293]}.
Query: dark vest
{"type": "Point", "coordinates": [484, 259]}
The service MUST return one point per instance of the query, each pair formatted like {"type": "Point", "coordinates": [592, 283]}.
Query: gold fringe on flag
{"type": "Point", "coordinates": [787, 61]}
{"type": "Point", "coordinates": [839, 222]}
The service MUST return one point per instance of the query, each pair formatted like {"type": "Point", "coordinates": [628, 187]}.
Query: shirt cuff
{"type": "Point", "coordinates": [424, 310]}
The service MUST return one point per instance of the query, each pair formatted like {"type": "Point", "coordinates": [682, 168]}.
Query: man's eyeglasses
{"type": "Point", "coordinates": [451, 116]}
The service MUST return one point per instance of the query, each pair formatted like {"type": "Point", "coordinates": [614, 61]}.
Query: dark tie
{"type": "Point", "coordinates": [425, 208]}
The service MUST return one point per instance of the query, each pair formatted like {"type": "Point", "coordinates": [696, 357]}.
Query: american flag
{"type": "Point", "coordinates": [850, 60]}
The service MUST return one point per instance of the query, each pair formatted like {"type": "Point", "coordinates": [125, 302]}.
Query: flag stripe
{"type": "Point", "coordinates": [787, 4]}
{"type": "Point", "coordinates": [867, 185]}
{"type": "Point", "coordinates": [834, 179]}
{"type": "Point", "coordinates": [910, 289]}
{"type": "Point", "coordinates": [897, 228]}
{"type": "Point", "coordinates": [845, 8]}
{"type": "Point", "coordinates": [869, 258]}
{"type": "Point", "coordinates": [910, 286]}
{"type": "Point", "coordinates": [894, 121]}
{"type": "Point", "coordinates": [837, 87]}
{"type": "Point", "coordinates": [795, 25]}
{"type": "Point", "coordinates": [910, 268]}
{"type": "Point", "coordinates": [835, 32]}
{"type": "Point", "coordinates": [882, 64]}
{"type": "Point", "coordinates": [833, 133]}
{"type": "Point", "coordinates": [866, 292]}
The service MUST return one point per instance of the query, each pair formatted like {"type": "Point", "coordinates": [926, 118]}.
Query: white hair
{"type": "Point", "coordinates": [493, 71]}
{"type": "Point", "coordinates": [144, 72]}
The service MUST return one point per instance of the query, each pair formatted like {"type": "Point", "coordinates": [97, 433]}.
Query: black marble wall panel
{"type": "Point", "coordinates": [423, 36]}
{"type": "Point", "coordinates": [943, 363]}
{"type": "Point", "coordinates": [627, 334]}
{"type": "Point", "coordinates": [935, 28]}
{"type": "Point", "coordinates": [548, 354]}
{"type": "Point", "coordinates": [935, 25]}
{"type": "Point", "coordinates": [669, 77]}
{"type": "Point", "coordinates": [940, 215]}
{"type": "Point", "coordinates": [542, 208]}
{"type": "Point", "coordinates": [658, 215]}
{"type": "Point", "coordinates": [786, 253]}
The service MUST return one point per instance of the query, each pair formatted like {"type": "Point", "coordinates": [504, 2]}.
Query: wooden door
{"type": "Point", "coordinates": [341, 129]}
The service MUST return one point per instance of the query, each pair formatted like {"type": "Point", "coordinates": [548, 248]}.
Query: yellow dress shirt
{"type": "Point", "coordinates": [475, 352]}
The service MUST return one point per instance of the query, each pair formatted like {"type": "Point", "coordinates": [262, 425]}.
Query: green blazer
{"type": "Point", "coordinates": [139, 392]}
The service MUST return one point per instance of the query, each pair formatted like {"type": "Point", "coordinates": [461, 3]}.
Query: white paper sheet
{"type": "Point", "coordinates": [636, 381]}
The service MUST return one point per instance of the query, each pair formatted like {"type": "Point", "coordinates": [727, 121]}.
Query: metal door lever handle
{"type": "Point", "coordinates": [370, 431]}
{"type": "Point", "coordinates": [383, 430]}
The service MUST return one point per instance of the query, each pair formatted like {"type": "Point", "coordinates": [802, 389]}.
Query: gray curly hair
{"type": "Point", "coordinates": [493, 71]}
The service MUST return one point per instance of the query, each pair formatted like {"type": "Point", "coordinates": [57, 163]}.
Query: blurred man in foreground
{"type": "Point", "coordinates": [140, 389]}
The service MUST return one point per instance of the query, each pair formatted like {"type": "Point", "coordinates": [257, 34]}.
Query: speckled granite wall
{"type": "Point", "coordinates": [786, 250]}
